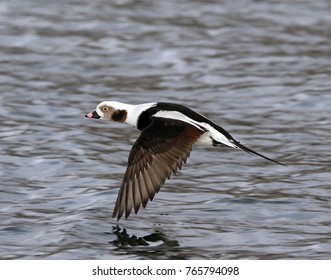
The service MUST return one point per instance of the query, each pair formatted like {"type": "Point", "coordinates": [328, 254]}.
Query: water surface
{"type": "Point", "coordinates": [260, 69]}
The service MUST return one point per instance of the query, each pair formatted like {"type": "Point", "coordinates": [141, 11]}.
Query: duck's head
{"type": "Point", "coordinates": [109, 110]}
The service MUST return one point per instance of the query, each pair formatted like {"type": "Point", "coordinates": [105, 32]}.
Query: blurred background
{"type": "Point", "coordinates": [260, 69]}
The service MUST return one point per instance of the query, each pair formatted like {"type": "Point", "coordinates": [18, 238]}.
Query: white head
{"type": "Point", "coordinates": [110, 110]}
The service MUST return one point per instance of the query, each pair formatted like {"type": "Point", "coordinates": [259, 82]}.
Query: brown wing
{"type": "Point", "coordinates": [161, 149]}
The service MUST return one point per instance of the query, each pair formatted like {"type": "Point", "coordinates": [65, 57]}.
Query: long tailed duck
{"type": "Point", "coordinates": [168, 132]}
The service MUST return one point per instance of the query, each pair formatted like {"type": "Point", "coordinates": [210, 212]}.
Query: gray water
{"type": "Point", "coordinates": [260, 69]}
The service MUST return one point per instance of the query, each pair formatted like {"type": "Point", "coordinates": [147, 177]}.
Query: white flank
{"type": "Point", "coordinates": [205, 139]}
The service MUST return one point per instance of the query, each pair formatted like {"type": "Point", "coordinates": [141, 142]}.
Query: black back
{"type": "Point", "coordinates": [145, 118]}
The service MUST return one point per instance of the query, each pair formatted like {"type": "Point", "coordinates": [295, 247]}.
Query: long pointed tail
{"type": "Point", "coordinates": [250, 151]}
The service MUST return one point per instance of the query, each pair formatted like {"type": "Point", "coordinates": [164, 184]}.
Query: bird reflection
{"type": "Point", "coordinates": [125, 239]}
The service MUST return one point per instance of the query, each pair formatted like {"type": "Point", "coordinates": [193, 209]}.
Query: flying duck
{"type": "Point", "coordinates": [168, 132]}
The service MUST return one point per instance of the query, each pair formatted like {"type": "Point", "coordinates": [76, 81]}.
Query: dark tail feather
{"type": "Point", "coordinates": [248, 150]}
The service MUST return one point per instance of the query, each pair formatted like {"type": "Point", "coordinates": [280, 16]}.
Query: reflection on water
{"type": "Point", "coordinates": [155, 245]}
{"type": "Point", "coordinates": [260, 69]}
{"type": "Point", "coordinates": [123, 238]}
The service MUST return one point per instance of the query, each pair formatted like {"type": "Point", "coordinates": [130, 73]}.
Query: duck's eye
{"type": "Point", "coordinates": [104, 109]}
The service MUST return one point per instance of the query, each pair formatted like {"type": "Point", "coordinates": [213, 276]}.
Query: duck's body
{"type": "Point", "coordinates": [168, 132]}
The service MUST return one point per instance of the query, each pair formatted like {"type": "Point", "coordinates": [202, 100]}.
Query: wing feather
{"type": "Point", "coordinates": [160, 150]}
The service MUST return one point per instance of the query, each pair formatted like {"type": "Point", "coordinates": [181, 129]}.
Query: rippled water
{"type": "Point", "coordinates": [261, 69]}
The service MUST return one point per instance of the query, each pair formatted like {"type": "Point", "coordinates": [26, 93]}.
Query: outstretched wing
{"type": "Point", "coordinates": [161, 149]}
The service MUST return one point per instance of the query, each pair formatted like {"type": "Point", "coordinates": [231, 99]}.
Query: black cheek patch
{"type": "Point", "coordinates": [119, 115]}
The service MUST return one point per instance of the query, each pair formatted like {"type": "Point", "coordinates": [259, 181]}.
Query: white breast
{"type": "Point", "coordinates": [134, 111]}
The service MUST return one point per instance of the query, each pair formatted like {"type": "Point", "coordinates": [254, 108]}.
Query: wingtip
{"type": "Point", "coordinates": [116, 214]}
{"type": "Point", "coordinates": [117, 217]}
{"type": "Point", "coordinates": [119, 214]}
